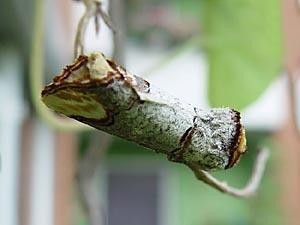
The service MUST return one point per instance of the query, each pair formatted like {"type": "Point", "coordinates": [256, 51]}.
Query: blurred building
{"type": "Point", "coordinates": [136, 186]}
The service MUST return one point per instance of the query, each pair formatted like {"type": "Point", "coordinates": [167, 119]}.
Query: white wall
{"type": "Point", "coordinates": [12, 111]}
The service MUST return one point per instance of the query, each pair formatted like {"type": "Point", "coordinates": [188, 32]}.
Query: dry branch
{"type": "Point", "coordinates": [93, 8]}
{"type": "Point", "coordinates": [250, 188]}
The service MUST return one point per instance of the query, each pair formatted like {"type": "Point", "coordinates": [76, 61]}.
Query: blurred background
{"type": "Point", "coordinates": [244, 54]}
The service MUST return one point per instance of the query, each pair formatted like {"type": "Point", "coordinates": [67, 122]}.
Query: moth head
{"type": "Point", "coordinates": [239, 145]}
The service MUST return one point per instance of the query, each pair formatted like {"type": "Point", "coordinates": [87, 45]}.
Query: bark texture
{"type": "Point", "coordinates": [97, 92]}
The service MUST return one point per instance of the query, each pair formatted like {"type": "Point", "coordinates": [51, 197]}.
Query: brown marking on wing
{"type": "Point", "coordinates": [238, 143]}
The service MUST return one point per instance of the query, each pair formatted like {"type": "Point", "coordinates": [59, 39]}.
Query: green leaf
{"type": "Point", "coordinates": [243, 42]}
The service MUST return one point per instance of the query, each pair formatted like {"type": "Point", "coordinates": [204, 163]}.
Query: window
{"type": "Point", "coordinates": [133, 198]}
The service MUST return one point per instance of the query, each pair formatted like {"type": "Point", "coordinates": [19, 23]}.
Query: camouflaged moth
{"type": "Point", "coordinates": [98, 92]}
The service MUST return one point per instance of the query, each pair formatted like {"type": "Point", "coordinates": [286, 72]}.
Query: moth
{"type": "Point", "coordinates": [96, 91]}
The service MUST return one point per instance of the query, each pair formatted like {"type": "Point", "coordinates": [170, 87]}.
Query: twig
{"type": "Point", "coordinates": [252, 185]}
{"type": "Point", "coordinates": [93, 8]}
{"type": "Point", "coordinates": [90, 11]}
{"type": "Point", "coordinates": [107, 20]}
